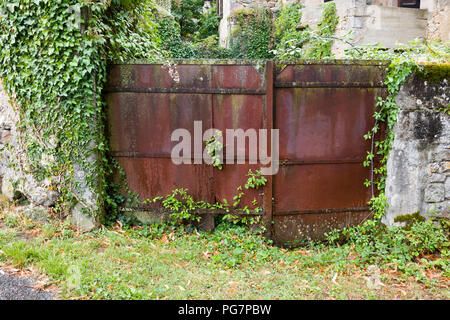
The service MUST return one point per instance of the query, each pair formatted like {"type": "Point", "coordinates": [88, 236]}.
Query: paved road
{"type": "Point", "coordinates": [17, 288]}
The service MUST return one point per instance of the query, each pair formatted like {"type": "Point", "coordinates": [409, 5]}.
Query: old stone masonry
{"type": "Point", "coordinates": [419, 164]}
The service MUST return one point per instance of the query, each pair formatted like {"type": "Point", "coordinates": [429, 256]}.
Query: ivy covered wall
{"type": "Point", "coordinates": [53, 58]}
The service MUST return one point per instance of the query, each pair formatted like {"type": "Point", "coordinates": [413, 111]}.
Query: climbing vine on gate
{"type": "Point", "coordinates": [53, 56]}
{"type": "Point", "coordinates": [183, 208]}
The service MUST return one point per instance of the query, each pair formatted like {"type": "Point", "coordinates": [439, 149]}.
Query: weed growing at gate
{"type": "Point", "coordinates": [183, 209]}
{"type": "Point", "coordinates": [374, 243]}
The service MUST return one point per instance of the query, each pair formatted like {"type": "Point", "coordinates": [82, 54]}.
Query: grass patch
{"type": "Point", "coordinates": [159, 262]}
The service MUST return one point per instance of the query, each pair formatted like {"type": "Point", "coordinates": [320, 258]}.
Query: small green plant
{"type": "Point", "coordinates": [214, 148]}
{"type": "Point", "coordinates": [374, 243]}
{"type": "Point", "coordinates": [255, 180]}
{"type": "Point", "coordinates": [446, 109]}
{"type": "Point", "coordinates": [187, 33]}
{"type": "Point", "coordinates": [238, 245]}
{"type": "Point", "coordinates": [181, 206]}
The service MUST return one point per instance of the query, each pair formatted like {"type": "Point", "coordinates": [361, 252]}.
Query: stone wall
{"type": "Point", "coordinates": [16, 183]}
{"type": "Point", "coordinates": [419, 164]}
{"type": "Point", "coordinates": [371, 21]}
{"type": "Point", "coordinates": [438, 26]}
{"type": "Point", "coordinates": [13, 178]}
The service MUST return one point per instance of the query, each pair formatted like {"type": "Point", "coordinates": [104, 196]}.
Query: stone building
{"type": "Point", "coordinates": [372, 21]}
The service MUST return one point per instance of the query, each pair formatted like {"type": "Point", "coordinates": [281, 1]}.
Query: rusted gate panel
{"type": "Point", "coordinates": [322, 112]}
{"type": "Point", "coordinates": [148, 102]}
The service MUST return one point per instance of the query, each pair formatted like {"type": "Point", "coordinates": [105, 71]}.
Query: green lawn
{"type": "Point", "coordinates": [144, 263]}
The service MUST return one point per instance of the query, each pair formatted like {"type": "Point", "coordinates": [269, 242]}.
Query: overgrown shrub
{"type": "Point", "coordinates": [200, 42]}
{"type": "Point", "coordinates": [300, 41]}
{"type": "Point", "coordinates": [208, 25]}
{"type": "Point", "coordinates": [253, 36]}
{"type": "Point", "coordinates": [374, 243]}
{"type": "Point", "coordinates": [288, 29]}
{"type": "Point", "coordinates": [177, 48]}
{"type": "Point", "coordinates": [188, 14]}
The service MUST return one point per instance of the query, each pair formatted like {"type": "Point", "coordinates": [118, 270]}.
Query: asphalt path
{"type": "Point", "coordinates": [17, 288]}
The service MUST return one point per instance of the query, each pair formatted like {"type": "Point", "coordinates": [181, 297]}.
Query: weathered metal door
{"type": "Point", "coordinates": [322, 111]}
{"type": "Point", "coordinates": [148, 102]}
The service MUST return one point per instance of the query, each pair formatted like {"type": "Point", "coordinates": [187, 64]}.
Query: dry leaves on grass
{"type": "Point", "coordinates": [42, 282]}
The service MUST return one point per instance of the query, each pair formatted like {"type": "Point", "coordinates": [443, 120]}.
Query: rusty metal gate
{"type": "Point", "coordinates": [321, 110]}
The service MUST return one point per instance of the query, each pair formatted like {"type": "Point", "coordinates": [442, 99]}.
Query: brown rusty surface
{"type": "Point", "coordinates": [321, 110]}
{"type": "Point", "coordinates": [238, 112]}
{"type": "Point", "coordinates": [320, 186]}
{"type": "Point", "coordinates": [324, 124]}
{"type": "Point", "coordinates": [295, 230]}
{"type": "Point", "coordinates": [227, 180]}
{"type": "Point", "coordinates": [143, 123]}
{"type": "Point", "coordinates": [330, 75]}
{"type": "Point", "coordinates": [236, 77]}
{"type": "Point", "coordinates": [146, 104]}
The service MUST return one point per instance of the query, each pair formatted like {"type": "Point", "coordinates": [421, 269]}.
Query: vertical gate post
{"type": "Point", "coordinates": [268, 112]}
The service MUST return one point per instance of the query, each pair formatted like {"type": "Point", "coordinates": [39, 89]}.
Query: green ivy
{"type": "Point", "coordinates": [288, 28]}
{"type": "Point", "coordinates": [253, 36]}
{"type": "Point", "coordinates": [296, 41]}
{"type": "Point", "coordinates": [374, 243]}
{"type": "Point", "coordinates": [188, 15]}
{"type": "Point", "coordinates": [177, 48]}
{"type": "Point", "coordinates": [319, 47]}
{"type": "Point", "coordinates": [203, 43]}
{"type": "Point", "coordinates": [208, 24]}
{"type": "Point", "coordinates": [54, 70]}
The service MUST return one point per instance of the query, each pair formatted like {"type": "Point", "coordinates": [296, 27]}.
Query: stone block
{"type": "Point", "coordinates": [82, 221]}
{"type": "Point", "coordinates": [36, 213]}
{"type": "Point", "coordinates": [447, 188]}
{"type": "Point", "coordinates": [436, 177]}
{"type": "Point", "coordinates": [434, 192]}
{"type": "Point", "coordinates": [206, 222]}
{"type": "Point", "coordinates": [148, 217]}
{"type": "Point", "coordinates": [446, 167]}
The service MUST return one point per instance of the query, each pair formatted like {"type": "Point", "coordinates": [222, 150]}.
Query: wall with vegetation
{"type": "Point", "coordinates": [418, 169]}
{"type": "Point", "coordinates": [53, 65]}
